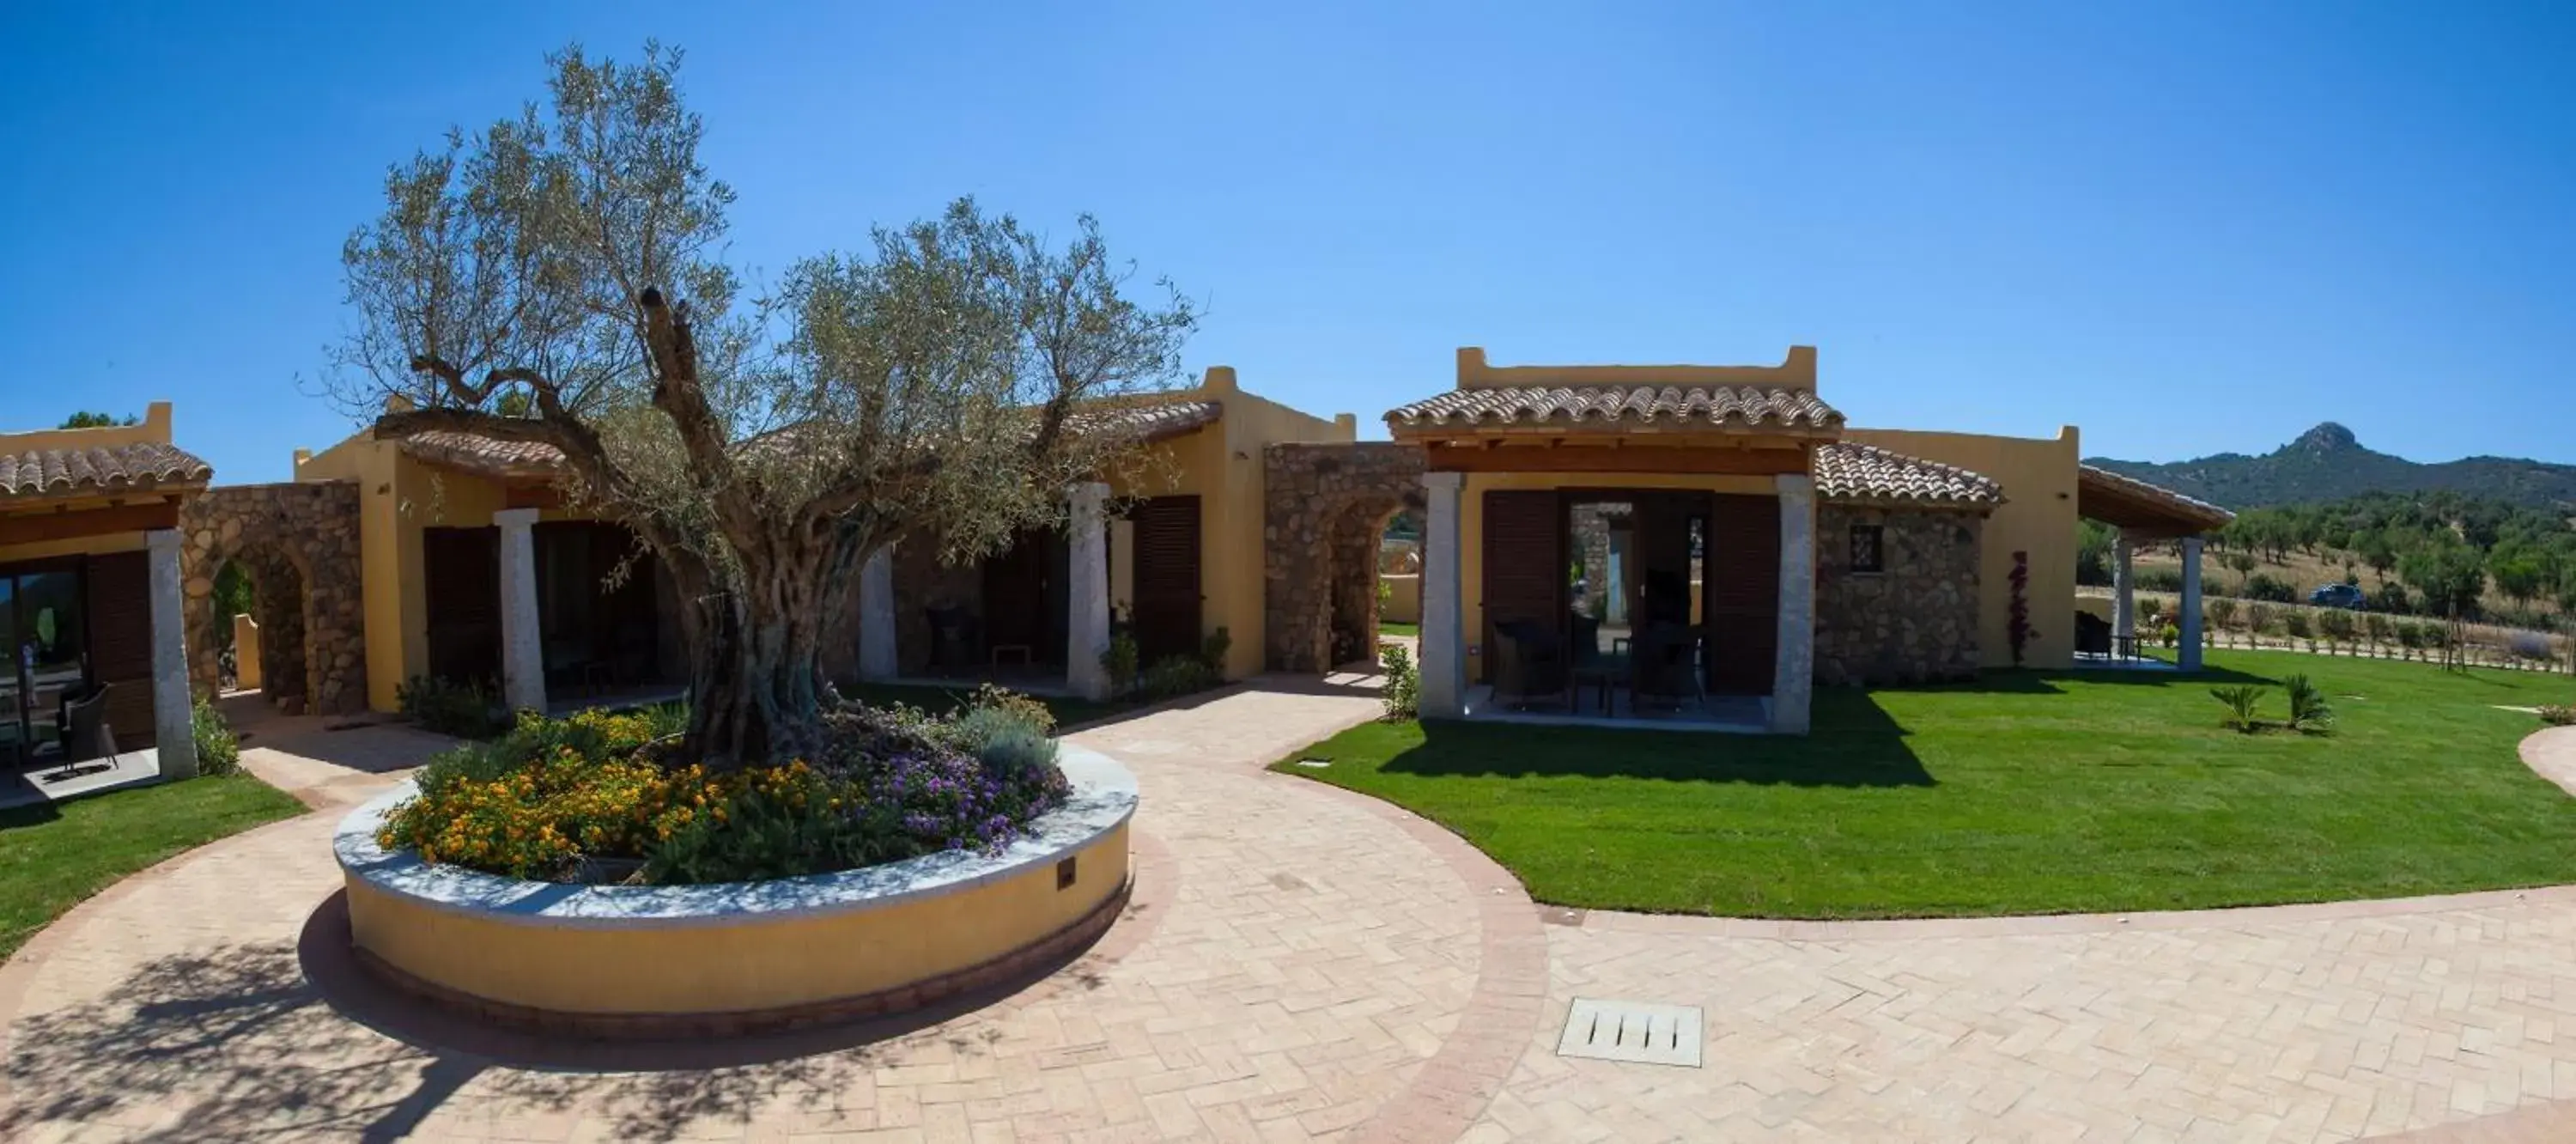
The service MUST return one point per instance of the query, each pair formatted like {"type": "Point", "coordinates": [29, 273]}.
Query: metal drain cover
{"type": "Point", "coordinates": [1631, 1031]}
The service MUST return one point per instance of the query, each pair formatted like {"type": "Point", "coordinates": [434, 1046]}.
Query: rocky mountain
{"type": "Point", "coordinates": [2327, 463]}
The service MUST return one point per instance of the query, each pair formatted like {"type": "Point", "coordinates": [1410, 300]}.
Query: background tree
{"type": "Point", "coordinates": [762, 449]}
{"type": "Point", "coordinates": [2242, 562]}
{"type": "Point", "coordinates": [2447, 574]}
{"type": "Point", "coordinates": [86, 420]}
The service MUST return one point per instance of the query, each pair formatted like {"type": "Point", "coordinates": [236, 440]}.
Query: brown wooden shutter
{"type": "Point", "coordinates": [462, 581]}
{"type": "Point", "coordinates": [1742, 566]}
{"type": "Point", "coordinates": [1525, 563]}
{"type": "Point", "coordinates": [1168, 598]}
{"type": "Point", "coordinates": [119, 604]}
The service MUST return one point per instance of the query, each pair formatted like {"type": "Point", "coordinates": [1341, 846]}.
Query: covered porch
{"type": "Point", "coordinates": [1622, 553]}
{"type": "Point", "coordinates": [2143, 514]}
{"type": "Point", "coordinates": [95, 691]}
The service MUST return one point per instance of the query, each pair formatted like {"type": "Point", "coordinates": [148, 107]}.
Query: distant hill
{"type": "Point", "coordinates": [2327, 464]}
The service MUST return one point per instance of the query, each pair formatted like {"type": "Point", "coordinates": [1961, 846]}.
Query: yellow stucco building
{"type": "Point", "coordinates": [92, 594]}
{"type": "Point", "coordinates": [471, 558]}
{"type": "Point", "coordinates": [1705, 544]}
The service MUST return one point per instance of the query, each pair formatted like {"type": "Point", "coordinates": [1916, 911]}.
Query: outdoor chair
{"type": "Point", "coordinates": [2092, 634]}
{"type": "Point", "coordinates": [952, 642]}
{"type": "Point", "coordinates": [85, 732]}
{"type": "Point", "coordinates": [1529, 663]}
{"type": "Point", "coordinates": [1665, 657]}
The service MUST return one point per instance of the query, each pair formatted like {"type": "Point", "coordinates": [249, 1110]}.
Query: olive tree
{"type": "Point", "coordinates": [558, 278]}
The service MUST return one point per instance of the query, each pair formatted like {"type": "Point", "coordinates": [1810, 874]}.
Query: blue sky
{"type": "Point", "coordinates": [2185, 227]}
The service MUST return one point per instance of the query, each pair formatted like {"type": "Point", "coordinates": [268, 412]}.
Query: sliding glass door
{"type": "Point", "coordinates": [44, 630]}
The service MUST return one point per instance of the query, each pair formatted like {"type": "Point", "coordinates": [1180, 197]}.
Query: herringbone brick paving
{"type": "Point", "coordinates": [1304, 963]}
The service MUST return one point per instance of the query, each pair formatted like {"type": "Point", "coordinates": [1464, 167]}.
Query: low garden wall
{"type": "Point", "coordinates": [668, 961]}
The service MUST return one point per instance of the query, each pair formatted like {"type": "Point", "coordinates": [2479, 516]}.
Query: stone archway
{"type": "Point", "coordinates": [299, 543]}
{"type": "Point", "coordinates": [1327, 506]}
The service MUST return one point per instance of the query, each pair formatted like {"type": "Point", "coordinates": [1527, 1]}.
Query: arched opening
{"type": "Point", "coordinates": [1362, 582]}
{"type": "Point", "coordinates": [272, 654]}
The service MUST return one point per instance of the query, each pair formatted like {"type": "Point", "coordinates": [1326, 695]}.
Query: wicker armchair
{"type": "Point", "coordinates": [1529, 663]}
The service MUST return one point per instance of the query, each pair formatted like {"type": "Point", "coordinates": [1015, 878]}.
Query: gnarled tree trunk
{"type": "Point", "coordinates": [756, 687]}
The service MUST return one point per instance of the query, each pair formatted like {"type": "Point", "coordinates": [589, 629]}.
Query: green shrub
{"type": "Point", "coordinates": [2267, 587]}
{"type": "Point", "coordinates": [2309, 710]}
{"type": "Point", "coordinates": [1176, 675]}
{"type": "Point", "coordinates": [218, 749]}
{"type": "Point", "coordinates": [1026, 710]}
{"type": "Point", "coordinates": [2159, 580]}
{"type": "Point", "coordinates": [1402, 692]}
{"type": "Point", "coordinates": [1014, 751]}
{"type": "Point", "coordinates": [591, 736]}
{"type": "Point", "coordinates": [2558, 715]}
{"type": "Point", "coordinates": [1120, 662]}
{"type": "Point", "coordinates": [2240, 702]}
{"type": "Point", "coordinates": [451, 707]}
{"type": "Point", "coordinates": [573, 800]}
{"type": "Point", "coordinates": [2170, 635]}
{"type": "Point", "coordinates": [2222, 612]}
{"type": "Point", "coordinates": [2296, 622]}
{"type": "Point", "coordinates": [2259, 618]}
{"type": "Point", "coordinates": [2336, 624]}
{"type": "Point", "coordinates": [1213, 649]}
{"type": "Point", "coordinates": [2377, 626]}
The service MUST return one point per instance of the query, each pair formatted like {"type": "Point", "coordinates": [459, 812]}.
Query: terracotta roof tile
{"type": "Point", "coordinates": [1608, 405]}
{"type": "Point", "coordinates": [484, 454]}
{"type": "Point", "coordinates": [1152, 422]}
{"type": "Point", "coordinates": [481, 454]}
{"type": "Point", "coordinates": [2174, 509]}
{"type": "Point", "coordinates": [98, 469]}
{"type": "Point", "coordinates": [1851, 473]}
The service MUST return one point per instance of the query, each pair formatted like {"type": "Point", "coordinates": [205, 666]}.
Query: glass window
{"type": "Point", "coordinates": [1868, 548]}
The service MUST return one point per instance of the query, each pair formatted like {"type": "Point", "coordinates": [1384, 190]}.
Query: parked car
{"type": "Point", "coordinates": [2339, 596]}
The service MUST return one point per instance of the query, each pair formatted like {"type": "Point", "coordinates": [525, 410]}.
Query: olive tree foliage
{"type": "Point", "coordinates": [558, 278]}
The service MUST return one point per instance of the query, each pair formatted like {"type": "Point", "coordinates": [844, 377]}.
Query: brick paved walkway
{"type": "Point", "coordinates": [1304, 962]}
{"type": "Point", "coordinates": [1298, 964]}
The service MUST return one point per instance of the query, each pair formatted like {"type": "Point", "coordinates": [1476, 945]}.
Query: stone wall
{"type": "Point", "coordinates": [299, 542]}
{"type": "Point", "coordinates": [1325, 505]}
{"type": "Point", "coordinates": [1915, 621]}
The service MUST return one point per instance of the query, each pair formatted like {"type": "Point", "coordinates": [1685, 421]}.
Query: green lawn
{"type": "Point", "coordinates": [53, 857]}
{"type": "Point", "coordinates": [2024, 793]}
{"type": "Point", "coordinates": [1398, 628]}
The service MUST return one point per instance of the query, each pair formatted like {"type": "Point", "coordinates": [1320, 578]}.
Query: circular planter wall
{"type": "Point", "coordinates": [744, 956]}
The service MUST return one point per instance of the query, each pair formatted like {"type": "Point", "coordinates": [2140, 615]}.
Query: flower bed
{"type": "Point", "coordinates": [579, 799]}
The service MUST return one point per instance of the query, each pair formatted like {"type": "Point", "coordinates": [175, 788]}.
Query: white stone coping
{"type": "Point", "coordinates": [1102, 800]}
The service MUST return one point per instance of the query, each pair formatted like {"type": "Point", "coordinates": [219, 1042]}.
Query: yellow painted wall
{"type": "Point", "coordinates": [2038, 517]}
{"type": "Point", "coordinates": [720, 968]}
{"type": "Point", "coordinates": [1471, 520]}
{"type": "Point", "coordinates": [154, 428]}
{"type": "Point", "coordinates": [1796, 371]}
{"type": "Point", "coordinates": [400, 498]}
{"type": "Point", "coordinates": [1222, 465]}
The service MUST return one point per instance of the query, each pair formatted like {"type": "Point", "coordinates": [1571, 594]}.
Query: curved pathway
{"type": "Point", "coordinates": [1298, 962]}
{"type": "Point", "coordinates": [1304, 962]}
{"type": "Point", "coordinates": [2326, 1022]}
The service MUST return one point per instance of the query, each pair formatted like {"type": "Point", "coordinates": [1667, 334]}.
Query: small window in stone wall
{"type": "Point", "coordinates": [1868, 548]}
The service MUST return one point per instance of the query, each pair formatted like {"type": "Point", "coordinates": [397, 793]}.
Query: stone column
{"type": "Point", "coordinates": [876, 616]}
{"type": "Point", "coordinates": [1444, 630]}
{"type": "Point", "coordinates": [1087, 592]}
{"type": "Point", "coordinates": [2124, 593]}
{"type": "Point", "coordinates": [173, 722]}
{"type": "Point", "coordinates": [523, 653]}
{"type": "Point", "coordinates": [1793, 673]}
{"type": "Point", "coordinates": [2188, 656]}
